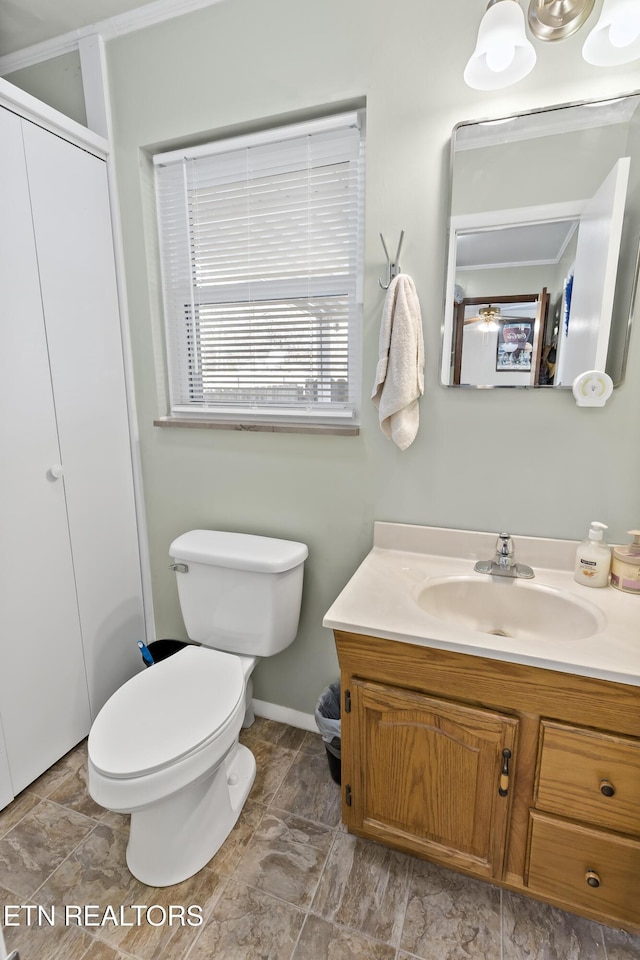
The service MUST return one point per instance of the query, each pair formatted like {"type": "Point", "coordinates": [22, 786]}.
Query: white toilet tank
{"type": "Point", "coordinates": [239, 592]}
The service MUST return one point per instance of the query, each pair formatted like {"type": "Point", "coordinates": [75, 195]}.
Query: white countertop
{"type": "Point", "coordinates": [380, 600]}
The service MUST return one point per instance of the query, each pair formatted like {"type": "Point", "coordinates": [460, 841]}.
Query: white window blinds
{"type": "Point", "coordinates": [261, 249]}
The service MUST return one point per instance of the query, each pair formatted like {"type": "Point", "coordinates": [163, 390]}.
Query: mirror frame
{"type": "Point", "coordinates": [450, 239]}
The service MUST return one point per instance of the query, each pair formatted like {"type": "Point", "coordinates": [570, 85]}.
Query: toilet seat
{"type": "Point", "coordinates": [167, 712]}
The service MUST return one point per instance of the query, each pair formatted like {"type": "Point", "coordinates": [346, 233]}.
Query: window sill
{"type": "Point", "coordinates": [264, 427]}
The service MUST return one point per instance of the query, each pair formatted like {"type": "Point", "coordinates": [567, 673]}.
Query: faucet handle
{"type": "Point", "coordinates": [504, 551]}
{"type": "Point", "coordinates": [504, 545]}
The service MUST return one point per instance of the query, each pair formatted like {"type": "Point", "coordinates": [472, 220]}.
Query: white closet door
{"type": "Point", "coordinates": [6, 786]}
{"type": "Point", "coordinates": [71, 216]}
{"type": "Point", "coordinates": [43, 696]}
{"type": "Point", "coordinates": [584, 347]}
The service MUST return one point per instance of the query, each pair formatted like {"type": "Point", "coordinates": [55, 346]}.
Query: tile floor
{"type": "Point", "coordinates": [289, 884]}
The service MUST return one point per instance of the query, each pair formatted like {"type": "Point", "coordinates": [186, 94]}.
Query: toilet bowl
{"type": "Point", "coordinates": [164, 748]}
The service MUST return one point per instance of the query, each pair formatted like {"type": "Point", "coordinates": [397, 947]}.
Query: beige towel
{"type": "Point", "coordinates": [400, 371]}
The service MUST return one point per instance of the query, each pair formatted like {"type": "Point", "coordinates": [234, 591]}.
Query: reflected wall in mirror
{"type": "Point", "coordinates": [544, 233]}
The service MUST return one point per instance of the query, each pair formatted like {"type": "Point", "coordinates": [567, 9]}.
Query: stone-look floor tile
{"type": "Point", "coordinates": [280, 734]}
{"type": "Point", "coordinates": [19, 807]}
{"type": "Point", "coordinates": [364, 886]}
{"type": "Point", "coordinates": [450, 916]}
{"type": "Point", "coordinates": [44, 942]}
{"type": "Point", "coordinates": [100, 951]}
{"type": "Point", "coordinates": [183, 938]}
{"type": "Point", "coordinates": [313, 743]}
{"type": "Point", "coordinates": [95, 873]}
{"type": "Point", "coordinates": [308, 790]}
{"type": "Point", "coordinates": [170, 918]}
{"type": "Point", "coordinates": [247, 924]}
{"type": "Point", "coordinates": [621, 945]}
{"type": "Point", "coordinates": [321, 940]}
{"type": "Point", "coordinates": [228, 856]}
{"type": "Point", "coordinates": [55, 775]}
{"type": "Point", "coordinates": [119, 821]}
{"type": "Point", "coordinates": [536, 931]}
{"type": "Point", "coordinates": [272, 765]}
{"type": "Point", "coordinates": [73, 793]}
{"type": "Point", "coordinates": [38, 844]}
{"type": "Point", "coordinates": [285, 857]}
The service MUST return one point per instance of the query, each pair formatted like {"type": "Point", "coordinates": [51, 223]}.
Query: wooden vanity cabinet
{"type": "Point", "coordinates": [526, 777]}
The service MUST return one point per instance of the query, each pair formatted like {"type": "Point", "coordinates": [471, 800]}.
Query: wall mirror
{"type": "Point", "coordinates": [544, 234]}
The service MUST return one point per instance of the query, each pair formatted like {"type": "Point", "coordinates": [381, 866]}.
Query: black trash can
{"type": "Point", "coordinates": [161, 649]}
{"type": "Point", "coordinates": [328, 721]}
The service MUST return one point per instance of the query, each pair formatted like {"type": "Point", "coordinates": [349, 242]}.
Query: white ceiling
{"type": "Point", "coordinates": [528, 245]}
{"type": "Point", "coordinates": [25, 22]}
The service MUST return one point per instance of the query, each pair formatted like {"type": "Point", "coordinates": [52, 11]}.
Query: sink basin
{"type": "Point", "coordinates": [509, 608]}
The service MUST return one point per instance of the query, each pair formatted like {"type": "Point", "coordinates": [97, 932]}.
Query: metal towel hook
{"type": "Point", "coordinates": [393, 266]}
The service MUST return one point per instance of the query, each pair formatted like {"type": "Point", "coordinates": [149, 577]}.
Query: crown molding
{"type": "Point", "coordinates": [137, 19]}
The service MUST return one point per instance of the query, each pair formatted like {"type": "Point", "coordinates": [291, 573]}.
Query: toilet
{"type": "Point", "coordinates": [164, 748]}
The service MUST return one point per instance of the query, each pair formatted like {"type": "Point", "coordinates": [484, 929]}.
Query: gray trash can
{"type": "Point", "coordinates": [328, 721]}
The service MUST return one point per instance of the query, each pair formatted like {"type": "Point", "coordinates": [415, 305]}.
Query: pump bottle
{"type": "Point", "coordinates": [593, 558]}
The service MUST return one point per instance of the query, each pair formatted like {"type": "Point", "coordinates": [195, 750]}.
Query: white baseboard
{"type": "Point", "coordinates": [295, 718]}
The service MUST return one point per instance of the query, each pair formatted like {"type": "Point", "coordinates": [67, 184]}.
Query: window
{"type": "Point", "coordinates": [261, 250]}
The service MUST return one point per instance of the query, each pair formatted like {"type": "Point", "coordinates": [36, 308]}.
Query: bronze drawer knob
{"type": "Point", "coordinates": [592, 878]}
{"type": "Point", "coordinates": [607, 789]}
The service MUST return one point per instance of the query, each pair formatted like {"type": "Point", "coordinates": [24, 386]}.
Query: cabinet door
{"type": "Point", "coordinates": [71, 217]}
{"type": "Point", "coordinates": [429, 774]}
{"type": "Point", "coordinates": [43, 689]}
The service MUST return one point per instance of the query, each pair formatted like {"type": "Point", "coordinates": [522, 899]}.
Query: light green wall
{"type": "Point", "coordinates": [559, 168]}
{"type": "Point", "coordinates": [57, 82]}
{"type": "Point", "coordinates": [508, 281]}
{"type": "Point", "coordinates": [235, 64]}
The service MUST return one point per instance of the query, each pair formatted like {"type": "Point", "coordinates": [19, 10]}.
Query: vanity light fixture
{"type": "Point", "coordinates": [615, 39]}
{"type": "Point", "coordinates": [504, 55]}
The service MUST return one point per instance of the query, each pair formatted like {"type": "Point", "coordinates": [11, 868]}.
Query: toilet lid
{"type": "Point", "coordinates": [166, 712]}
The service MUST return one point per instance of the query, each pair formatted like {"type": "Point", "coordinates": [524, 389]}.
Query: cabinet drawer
{"type": "Point", "coordinates": [563, 857]}
{"type": "Point", "coordinates": [589, 776]}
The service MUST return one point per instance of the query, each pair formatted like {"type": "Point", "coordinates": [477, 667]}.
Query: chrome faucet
{"type": "Point", "coordinates": [503, 563]}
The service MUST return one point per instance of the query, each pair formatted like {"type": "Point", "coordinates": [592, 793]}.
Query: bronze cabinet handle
{"type": "Point", "coordinates": [607, 789]}
{"type": "Point", "coordinates": [592, 878]}
{"type": "Point", "coordinates": [503, 788]}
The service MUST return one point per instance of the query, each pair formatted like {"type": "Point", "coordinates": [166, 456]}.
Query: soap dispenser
{"type": "Point", "coordinates": [625, 565]}
{"type": "Point", "coordinates": [593, 558]}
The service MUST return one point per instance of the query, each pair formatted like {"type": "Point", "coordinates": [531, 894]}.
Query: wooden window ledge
{"type": "Point", "coordinates": [349, 430]}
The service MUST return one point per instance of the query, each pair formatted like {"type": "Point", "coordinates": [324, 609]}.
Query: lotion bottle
{"type": "Point", "coordinates": [593, 558]}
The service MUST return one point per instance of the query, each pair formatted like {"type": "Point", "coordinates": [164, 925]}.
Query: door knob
{"type": "Point", "coordinates": [56, 471]}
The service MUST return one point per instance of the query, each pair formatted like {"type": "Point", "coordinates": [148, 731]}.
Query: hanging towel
{"type": "Point", "coordinates": [400, 371]}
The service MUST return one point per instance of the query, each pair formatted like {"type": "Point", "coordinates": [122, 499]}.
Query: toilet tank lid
{"type": "Point", "coordinates": [239, 551]}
